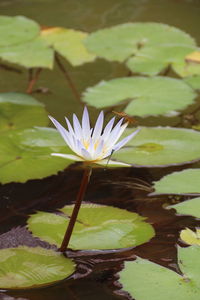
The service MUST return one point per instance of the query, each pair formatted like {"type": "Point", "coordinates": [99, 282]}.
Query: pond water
{"type": "Point", "coordinates": [111, 187]}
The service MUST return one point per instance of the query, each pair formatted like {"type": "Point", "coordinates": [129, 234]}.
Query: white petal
{"type": "Point", "coordinates": [85, 154]}
{"type": "Point", "coordinates": [77, 127]}
{"type": "Point", "coordinates": [99, 149]}
{"type": "Point", "coordinates": [108, 128]}
{"type": "Point", "coordinates": [116, 133]}
{"type": "Point", "coordinates": [85, 124]}
{"type": "Point", "coordinates": [68, 156]}
{"type": "Point", "coordinates": [111, 163]}
{"type": "Point", "coordinates": [98, 126]}
{"type": "Point", "coordinates": [71, 131]}
{"type": "Point", "coordinates": [61, 129]}
{"type": "Point", "coordinates": [125, 140]}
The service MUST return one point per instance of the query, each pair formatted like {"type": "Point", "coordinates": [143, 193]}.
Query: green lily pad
{"type": "Point", "coordinates": [148, 48]}
{"type": "Point", "coordinates": [190, 237]}
{"type": "Point", "coordinates": [21, 111]}
{"type": "Point", "coordinates": [17, 30]}
{"type": "Point", "coordinates": [193, 81]}
{"type": "Point", "coordinates": [144, 96]}
{"type": "Point", "coordinates": [97, 227]}
{"type": "Point", "coordinates": [25, 267]}
{"type": "Point", "coordinates": [184, 182]}
{"type": "Point", "coordinates": [34, 53]}
{"type": "Point", "coordinates": [160, 146]}
{"type": "Point", "coordinates": [68, 43]}
{"type": "Point", "coordinates": [26, 154]}
{"type": "Point", "coordinates": [145, 280]}
{"type": "Point", "coordinates": [190, 207]}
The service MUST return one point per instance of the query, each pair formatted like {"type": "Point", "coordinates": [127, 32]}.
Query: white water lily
{"type": "Point", "coordinates": [92, 145]}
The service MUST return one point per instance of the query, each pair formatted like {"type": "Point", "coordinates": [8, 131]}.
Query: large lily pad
{"type": "Point", "coordinates": [193, 81]}
{"type": "Point", "coordinates": [69, 43]}
{"type": "Point", "coordinates": [190, 237]}
{"type": "Point", "coordinates": [26, 154]}
{"type": "Point", "coordinates": [35, 53]}
{"type": "Point", "coordinates": [145, 280]}
{"type": "Point", "coordinates": [184, 182]}
{"type": "Point", "coordinates": [148, 48]}
{"type": "Point", "coordinates": [144, 96]}
{"type": "Point", "coordinates": [160, 146]}
{"type": "Point", "coordinates": [190, 207]}
{"type": "Point", "coordinates": [17, 30]}
{"type": "Point", "coordinates": [97, 227]}
{"type": "Point", "coordinates": [21, 111]}
{"type": "Point", "coordinates": [26, 267]}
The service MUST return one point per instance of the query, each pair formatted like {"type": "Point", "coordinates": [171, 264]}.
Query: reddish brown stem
{"type": "Point", "coordinates": [69, 80]}
{"type": "Point", "coordinates": [32, 79]}
{"type": "Point", "coordinates": [77, 205]}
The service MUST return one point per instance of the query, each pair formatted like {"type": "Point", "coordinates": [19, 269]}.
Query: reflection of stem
{"type": "Point", "coordinates": [77, 205]}
{"type": "Point", "coordinates": [32, 79]}
{"type": "Point", "coordinates": [67, 76]}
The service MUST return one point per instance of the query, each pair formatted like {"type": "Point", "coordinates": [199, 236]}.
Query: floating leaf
{"type": "Point", "coordinates": [145, 280]}
{"type": "Point", "coordinates": [21, 111]}
{"type": "Point", "coordinates": [190, 237]}
{"type": "Point", "coordinates": [148, 48]}
{"type": "Point", "coordinates": [17, 30]}
{"type": "Point", "coordinates": [193, 81]}
{"type": "Point", "coordinates": [161, 146]}
{"type": "Point", "coordinates": [190, 207]}
{"type": "Point", "coordinates": [184, 182]}
{"type": "Point", "coordinates": [69, 43]}
{"type": "Point", "coordinates": [26, 154]}
{"type": "Point", "coordinates": [35, 53]}
{"type": "Point", "coordinates": [26, 267]}
{"type": "Point", "coordinates": [97, 227]}
{"type": "Point", "coordinates": [144, 96]}
{"type": "Point", "coordinates": [193, 57]}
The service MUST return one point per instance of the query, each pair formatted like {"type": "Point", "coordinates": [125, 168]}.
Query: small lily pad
{"type": "Point", "coordinates": [34, 53]}
{"type": "Point", "coordinates": [21, 111]}
{"type": "Point", "coordinates": [26, 267]}
{"type": "Point", "coordinates": [160, 146]}
{"type": "Point", "coordinates": [190, 207]}
{"type": "Point", "coordinates": [68, 43]}
{"type": "Point", "coordinates": [190, 237]}
{"type": "Point", "coordinates": [17, 30]}
{"type": "Point", "coordinates": [143, 96]}
{"type": "Point", "coordinates": [184, 182]}
{"type": "Point", "coordinates": [26, 154]}
{"type": "Point", "coordinates": [97, 227]}
{"type": "Point", "coordinates": [145, 280]}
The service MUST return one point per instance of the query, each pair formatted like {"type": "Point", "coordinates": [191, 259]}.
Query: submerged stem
{"type": "Point", "coordinates": [77, 205]}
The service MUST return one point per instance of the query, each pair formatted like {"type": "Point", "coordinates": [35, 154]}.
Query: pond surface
{"type": "Point", "coordinates": [111, 187]}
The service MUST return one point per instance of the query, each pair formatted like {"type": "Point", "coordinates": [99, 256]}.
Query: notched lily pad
{"type": "Point", "coordinates": [26, 267]}
{"type": "Point", "coordinates": [190, 237]}
{"type": "Point", "coordinates": [68, 43]}
{"type": "Point", "coordinates": [145, 280]}
{"type": "Point", "coordinates": [98, 227]}
{"type": "Point", "coordinates": [184, 182]}
{"type": "Point", "coordinates": [144, 96]}
{"type": "Point", "coordinates": [160, 146]}
{"type": "Point", "coordinates": [26, 154]}
{"type": "Point", "coordinates": [190, 207]}
{"type": "Point", "coordinates": [21, 111]}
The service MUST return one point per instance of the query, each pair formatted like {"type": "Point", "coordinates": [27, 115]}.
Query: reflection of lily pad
{"type": "Point", "coordinates": [26, 154]}
{"type": "Point", "coordinates": [190, 237]}
{"type": "Point", "coordinates": [97, 227]}
{"type": "Point", "coordinates": [190, 207]}
{"type": "Point", "coordinates": [144, 96]}
{"type": "Point", "coordinates": [21, 111]}
{"type": "Point", "coordinates": [34, 53]}
{"type": "Point", "coordinates": [16, 30]}
{"type": "Point", "coordinates": [69, 43]}
{"type": "Point", "coordinates": [184, 182]}
{"type": "Point", "coordinates": [145, 280]}
{"type": "Point", "coordinates": [160, 146]}
{"type": "Point", "coordinates": [25, 267]}
{"type": "Point", "coordinates": [148, 48]}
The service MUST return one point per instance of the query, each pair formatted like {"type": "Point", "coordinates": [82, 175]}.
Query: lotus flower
{"type": "Point", "coordinates": [92, 145]}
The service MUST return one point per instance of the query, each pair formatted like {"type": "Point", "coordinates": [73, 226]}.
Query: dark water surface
{"type": "Point", "coordinates": [111, 187]}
